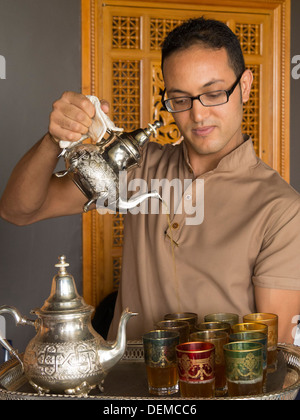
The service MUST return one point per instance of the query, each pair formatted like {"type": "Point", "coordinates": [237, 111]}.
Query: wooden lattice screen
{"type": "Point", "coordinates": [121, 63]}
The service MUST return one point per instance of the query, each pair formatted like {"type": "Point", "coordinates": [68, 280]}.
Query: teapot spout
{"type": "Point", "coordinates": [133, 202]}
{"type": "Point", "coordinates": [20, 320]}
{"type": "Point", "coordinates": [110, 355]}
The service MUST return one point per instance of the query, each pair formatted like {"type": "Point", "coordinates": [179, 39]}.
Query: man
{"type": "Point", "coordinates": [243, 255]}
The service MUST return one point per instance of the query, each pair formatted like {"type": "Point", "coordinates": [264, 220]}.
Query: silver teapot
{"type": "Point", "coordinates": [67, 355]}
{"type": "Point", "coordinates": [95, 168]}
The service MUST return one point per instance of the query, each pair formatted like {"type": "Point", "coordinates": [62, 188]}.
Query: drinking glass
{"type": "Point", "coordinates": [161, 362]}
{"type": "Point", "coordinates": [214, 326]}
{"type": "Point", "coordinates": [196, 369]}
{"type": "Point", "coordinates": [244, 368]}
{"type": "Point", "coordinates": [182, 327]}
{"type": "Point", "coordinates": [190, 317]}
{"type": "Point", "coordinates": [222, 317]}
{"type": "Point", "coordinates": [219, 339]}
{"type": "Point", "coordinates": [271, 320]}
{"type": "Point", "coordinates": [255, 337]}
{"type": "Point", "coordinates": [250, 326]}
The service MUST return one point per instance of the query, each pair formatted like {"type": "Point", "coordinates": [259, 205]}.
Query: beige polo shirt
{"type": "Point", "coordinates": [248, 234]}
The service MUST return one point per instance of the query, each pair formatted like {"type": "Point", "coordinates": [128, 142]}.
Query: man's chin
{"type": "Point", "coordinates": [205, 146]}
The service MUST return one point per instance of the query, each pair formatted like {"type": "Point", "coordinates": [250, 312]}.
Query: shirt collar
{"type": "Point", "coordinates": [242, 156]}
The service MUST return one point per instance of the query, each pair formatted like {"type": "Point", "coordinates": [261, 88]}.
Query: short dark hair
{"type": "Point", "coordinates": [209, 33]}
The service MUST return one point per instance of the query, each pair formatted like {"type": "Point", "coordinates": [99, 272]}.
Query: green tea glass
{"type": "Point", "coordinates": [244, 368]}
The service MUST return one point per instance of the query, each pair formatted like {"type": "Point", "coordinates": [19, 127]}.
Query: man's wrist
{"type": "Point", "coordinates": [53, 140]}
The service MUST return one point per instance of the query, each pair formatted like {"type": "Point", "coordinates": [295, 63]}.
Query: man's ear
{"type": "Point", "coordinates": [246, 83]}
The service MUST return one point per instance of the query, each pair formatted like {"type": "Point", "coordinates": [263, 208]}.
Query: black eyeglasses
{"type": "Point", "coordinates": [214, 98]}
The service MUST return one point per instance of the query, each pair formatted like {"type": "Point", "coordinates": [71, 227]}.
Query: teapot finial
{"type": "Point", "coordinates": [64, 296]}
{"type": "Point", "coordinates": [62, 265]}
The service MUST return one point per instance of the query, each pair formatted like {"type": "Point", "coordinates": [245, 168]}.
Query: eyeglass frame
{"type": "Point", "coordinates": [228, 92]}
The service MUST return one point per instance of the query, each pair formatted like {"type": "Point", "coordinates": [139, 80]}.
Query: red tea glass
{"type": "Point", "coordinates": [196, 369]}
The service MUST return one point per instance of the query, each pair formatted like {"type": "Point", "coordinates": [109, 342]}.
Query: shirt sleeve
{"type": "Point", "coordinates": [278, 263]}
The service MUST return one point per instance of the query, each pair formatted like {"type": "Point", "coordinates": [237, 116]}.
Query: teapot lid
{"type": "Point", "coordinates": [64, 296]}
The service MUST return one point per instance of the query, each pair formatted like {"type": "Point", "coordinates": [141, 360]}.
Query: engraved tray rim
{"type": "Point", "coordinates": [134, 353]}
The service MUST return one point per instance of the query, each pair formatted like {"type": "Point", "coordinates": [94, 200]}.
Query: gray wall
{"type": "Point", "coordinates": [40, 40]}
{"type": "Point", "coordinates": [295, 98]}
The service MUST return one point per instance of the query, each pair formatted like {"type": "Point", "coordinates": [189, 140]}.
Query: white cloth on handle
{"type": "Point", "coordinates": [101, 123]}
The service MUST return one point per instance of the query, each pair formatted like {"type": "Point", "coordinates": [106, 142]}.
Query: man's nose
{"type": "Point", "coordinates": [199, 112]}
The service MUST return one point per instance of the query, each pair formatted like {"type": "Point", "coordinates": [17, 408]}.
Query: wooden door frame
{"type": "Point", "coordinates": [92, 63]}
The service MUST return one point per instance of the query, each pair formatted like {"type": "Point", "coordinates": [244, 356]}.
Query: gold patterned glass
{"type": "Point", "coordinates": [180, 326]}
{"type": "Point", "coordinates": [244, 368]}
{"type": "Point", "coordinates": [190, 317]}
{"type": "Point", "coordinates": [218, 339]}
{"type": "Point", "coordinates": [271, 320]}
{"type": "Point", "coordinates": [229, 318]}
{"type": "Point", "coordinates": [214, 326]}
{"type": "Point", "coordinates": [196, 369]}
{"type": "Point", "coordinates": [161, 363]}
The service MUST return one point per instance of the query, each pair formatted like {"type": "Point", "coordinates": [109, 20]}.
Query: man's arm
{"type": "Point", "coordinates": [284, 303]}
{"type": "Point", "coordinates": [33, 193]}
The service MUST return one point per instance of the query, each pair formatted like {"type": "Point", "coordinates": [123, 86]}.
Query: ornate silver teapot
{"type": "Point", "coordinates": [67, 355]}
{"type": "Point", "coordinates": [95, 168]}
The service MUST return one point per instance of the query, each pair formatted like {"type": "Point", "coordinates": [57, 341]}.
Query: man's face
{"type": "Point", "coordinates": [197, 70]}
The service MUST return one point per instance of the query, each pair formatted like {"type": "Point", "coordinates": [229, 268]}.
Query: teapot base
{"type": "Point", "coordinates": [40, 390]}
{"type": "Point", "coordinates": [70, 368]}
{"type": "Point", "coordinates": [81, 390]}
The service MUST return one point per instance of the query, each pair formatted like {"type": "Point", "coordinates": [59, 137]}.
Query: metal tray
{"type": "Point", "coordinates": [128, 380]}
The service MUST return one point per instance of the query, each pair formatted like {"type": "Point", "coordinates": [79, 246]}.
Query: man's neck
{"type": "Point", "coordinates": [202, 164]}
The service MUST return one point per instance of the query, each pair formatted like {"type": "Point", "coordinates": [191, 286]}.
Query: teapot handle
{"type": "Point", "coordinates": [101, 123]}
{"type": "Point", "coordinates": [20, 320]}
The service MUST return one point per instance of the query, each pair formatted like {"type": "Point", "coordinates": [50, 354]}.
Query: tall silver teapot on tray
{"type": "Point", "coordinates": [95, 168]}
{"type": "Point", "coordinates": [67, 355]}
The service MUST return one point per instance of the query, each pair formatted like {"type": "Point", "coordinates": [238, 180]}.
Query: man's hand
{"type": "Point", "coordinates": [71, 116]}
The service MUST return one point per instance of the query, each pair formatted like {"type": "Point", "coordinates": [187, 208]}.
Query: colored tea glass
{"type": "Point", "coordinates": [161, 362]}
{"type": "Point", "coordinates": [190, 317]}
{"type": "Point", "coordinates": [218, 339]}
{"type": "Point", "coordinates": [214, 326]}
{"type": "Point", "coordinates": [255, 337]}
{"type": "Point", "coordinates": [229, 318]}
{"type": "Point", "coordinates": [196, 369]}
{"type": "Point", "coordinates": [271, 320]}
{"type": "Point", "coordinates": [182, 327]}
{"type": "Point", "coordinates": [250, 326]}
{"type": "Point", "coordinates": [244, 368]}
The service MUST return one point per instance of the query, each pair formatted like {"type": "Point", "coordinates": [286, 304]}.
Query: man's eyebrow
{"type": "Point", "coordinates": [213, 82]}
{"type": "Point", "coordinates": [210, 83]}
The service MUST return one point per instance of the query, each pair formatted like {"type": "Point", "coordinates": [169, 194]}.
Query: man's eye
{"type": "Point", "coordinates": [214, 95]}
{"type": "Point", "coordinates": [180, 101]}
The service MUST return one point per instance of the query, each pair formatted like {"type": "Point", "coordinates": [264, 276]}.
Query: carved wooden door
{"type": "Point", "coordinates": [121, 63]}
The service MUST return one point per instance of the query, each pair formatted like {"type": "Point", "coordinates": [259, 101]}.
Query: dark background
{"type": "Point", "coordinates": [41, 42]}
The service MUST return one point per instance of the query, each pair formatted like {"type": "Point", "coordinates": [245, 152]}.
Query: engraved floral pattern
{"type": "Point", "coordinates": [195, 369]}
{"type": "Point", "coordinates": [62, 360]}
{"type": "Point", "coordinates": [248, 367]}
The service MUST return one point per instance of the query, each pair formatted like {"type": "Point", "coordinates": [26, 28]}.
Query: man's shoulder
{"type": "Point", "coordinates": [153, 146]}
{"type": "Point", "coordinates": [155, 152]}
{"type": "Point", "coordinates": [275, 185]}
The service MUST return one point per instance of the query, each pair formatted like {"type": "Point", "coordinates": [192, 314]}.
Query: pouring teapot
{"type": "Point", "coordinates": [67, 355]}
{"type": "Point", "coordinates": [95, 168]}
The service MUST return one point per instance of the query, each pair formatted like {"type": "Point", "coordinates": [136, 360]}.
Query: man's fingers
{"type": "Point", "coordinates": [72, 116]}
{"type": "Point", "coordinates": [105, 106]}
